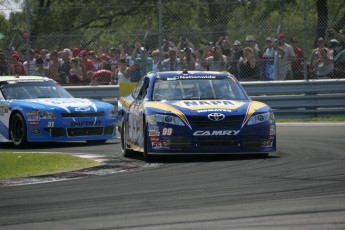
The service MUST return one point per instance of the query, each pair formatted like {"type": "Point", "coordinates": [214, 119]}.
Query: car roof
{"type": "Point", "coordinates": [21, 78]}
{"type": "Point", "coordinates": [167, 74]}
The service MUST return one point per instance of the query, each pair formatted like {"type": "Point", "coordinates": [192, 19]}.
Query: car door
{"type": "Point", "coordinates": [136, 113]}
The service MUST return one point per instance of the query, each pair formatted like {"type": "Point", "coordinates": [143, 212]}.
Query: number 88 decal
{"type": "Point", "coordinates": [167, 131]}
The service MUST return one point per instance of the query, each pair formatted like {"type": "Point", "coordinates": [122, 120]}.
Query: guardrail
{"type": "Point", "coordinates": [311, 98]}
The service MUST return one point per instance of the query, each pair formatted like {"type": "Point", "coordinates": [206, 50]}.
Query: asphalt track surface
{"type": "Point", "coordinates": [302, 186]}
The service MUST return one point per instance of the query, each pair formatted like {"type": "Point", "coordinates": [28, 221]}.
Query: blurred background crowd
{"type": "Point", "coordinates": [78, 44]}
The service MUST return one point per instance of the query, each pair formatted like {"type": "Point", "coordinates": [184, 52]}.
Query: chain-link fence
{"type": "Point", "coordinates": [88, 42]}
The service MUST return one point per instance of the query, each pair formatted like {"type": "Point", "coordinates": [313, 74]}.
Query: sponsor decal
{"type": "Point", "coordinates": [154, 138]}
{"type": "Point", "coordinates": [156, 145]}
{"type": "Point", "coordinates": [202, 105]}
{"type": "Point", "coordinates": [32, 116]}
{"type": "Point", "coordinates": [213, 110]}
{"type": "Point", "coordinates": [82, 109]}
{"type": "Point", "coordinates": [167, 131]}
{"type": "Point", "coordinates": [153, 133]}
{"type": "Point", "coordinates": [191, 77]}
{"type": "Point", "coordinates": [217, 133]}
{"type": "Point", "coordinates": [34, 122]}
{"type": "Point", "coordinates": [4, 109]}
{"type": "Point", "coordinates": [36, 131]}
{"type": "Point", "coordinates": [85, 123]}
{"type": "Point", "coordinates": [216, 116]}
{"type": "Point", "coordinates": [165, 144]}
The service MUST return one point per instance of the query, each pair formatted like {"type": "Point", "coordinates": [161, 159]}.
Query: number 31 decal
{"type": "Point", "coordinates": [50, 123]}
{"type": "Point", "coordinates": [167, 131]}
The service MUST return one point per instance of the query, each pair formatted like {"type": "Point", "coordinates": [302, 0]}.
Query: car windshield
{"type": "Point", "coordinates": [33, 90]}
{"type": "Point", "coordinates": [198, 89]}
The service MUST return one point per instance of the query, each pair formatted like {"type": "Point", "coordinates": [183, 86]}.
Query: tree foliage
{"type": "Point", "coordinates": [94, 24]}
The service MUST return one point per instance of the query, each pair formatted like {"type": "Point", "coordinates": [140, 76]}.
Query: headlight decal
{"type": "Point", "coordinates": [252, 107]}
{"type": "Point", "coordinates": [112, 113]}
{"type": "Point", "coordinates": [165, 107]}
{"type": "Point", "coordinates": [259, 118]}
{"type": "Point", "coordinates": [37, 115]}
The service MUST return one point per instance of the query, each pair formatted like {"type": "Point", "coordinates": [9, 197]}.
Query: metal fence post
{"type": "Point", "coordinates": [27, 35]}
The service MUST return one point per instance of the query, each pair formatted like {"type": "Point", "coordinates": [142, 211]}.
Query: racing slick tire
{"type": "Point", "coordinates": [18, 130]}
{"type": "Point", "coordinates": [125, 152]}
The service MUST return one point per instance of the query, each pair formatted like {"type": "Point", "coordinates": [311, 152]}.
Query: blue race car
{"type": "Point", "coordinates": [37, 109]}
{"type": "Point", "coordinates": [190, 112]}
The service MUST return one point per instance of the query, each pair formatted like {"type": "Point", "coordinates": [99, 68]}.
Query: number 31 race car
{"type": "Point", "coordinates": [194, 113]}
{"type": "Point", "coordinates": [36, 109]}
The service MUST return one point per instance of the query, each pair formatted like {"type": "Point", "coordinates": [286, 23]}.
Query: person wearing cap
{"type": "Point", "coordinates": [321, 60]}
{"type": "Point", "coordinates": [101, 77]}
{"type": "Point", "coordinates": [16, 66]}
{"type": "Point", "coordinates": [104, 62]}
{"type": "Point", "coordinates": [217, 61]}
{"type": "Point", "coordinates": [87, 66]}
{"type": "Point", "coordinates": [251, 42]}
{"type": "Point", "coordinates": [282, 59]}
{"type": "Point", "coordinates": [75, 52]}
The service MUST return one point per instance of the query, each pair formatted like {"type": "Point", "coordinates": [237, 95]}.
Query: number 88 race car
{"type": "Point", "coordinates": [194, 113]}
{"type": "Point", "coordinates": [36, 109]}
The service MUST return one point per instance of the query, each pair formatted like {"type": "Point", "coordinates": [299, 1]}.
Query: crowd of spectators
{"type": "Point", "coordinates": [278, 58]}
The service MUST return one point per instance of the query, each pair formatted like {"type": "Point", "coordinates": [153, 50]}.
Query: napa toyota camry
{"type": "Point", "coordinates": [191, 112]}
{"type": "Point", "coordinates": [37, 109]}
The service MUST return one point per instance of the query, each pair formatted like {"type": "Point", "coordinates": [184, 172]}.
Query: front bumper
{"type": "Point", "coordinates": [259, 138]}
{"type": "Point", "coordinates": [72, 130]}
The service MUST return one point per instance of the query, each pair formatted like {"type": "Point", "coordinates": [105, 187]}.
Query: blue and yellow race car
{"type": "Point", "coordinates": [37, 109]}
{"type": "Point", "coordinates": [190, 112]}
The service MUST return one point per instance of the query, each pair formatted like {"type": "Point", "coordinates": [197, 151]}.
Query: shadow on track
{"type": "Point", "coordinates": [201, 157]}
{"type": "Point", "coordinates": [46, 145]}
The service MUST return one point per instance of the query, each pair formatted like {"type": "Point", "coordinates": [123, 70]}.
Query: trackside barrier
{"type": "Point", "coordinates": [288, 99]}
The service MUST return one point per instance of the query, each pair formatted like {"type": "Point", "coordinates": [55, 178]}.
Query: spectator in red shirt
{"type": "Point", "coordinates": [101, 77]}
{"type": "Point", "coordinates": [16, 67]}
{"type": "Point", "coordinates": [87, 66]}
{"type": "Point", "coordinates": [297, 63]}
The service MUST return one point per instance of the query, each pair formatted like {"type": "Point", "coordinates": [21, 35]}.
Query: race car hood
{"type": "Point", "coordinates": [63, 104]}
{"type": "Point", "coordinates": [184, 108]}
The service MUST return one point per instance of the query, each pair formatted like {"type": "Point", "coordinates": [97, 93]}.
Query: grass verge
{"type": "Point", "coordinates": [14, 165]}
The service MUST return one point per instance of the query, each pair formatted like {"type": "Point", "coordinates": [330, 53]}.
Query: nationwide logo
{"type": "Point", "coordinates": [217, 133]}
{"type": "Point", "coordinates": [216, 116]}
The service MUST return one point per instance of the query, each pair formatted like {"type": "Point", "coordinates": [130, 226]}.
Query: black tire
{"type": "Point", "coordinates": [147, 157]}
{"type": "Point", "coordinates": [125, 152]}
{"type": "Point", "coordinates": [94, 142]}
{"type": "Point", "coordinates": [18, 130]}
